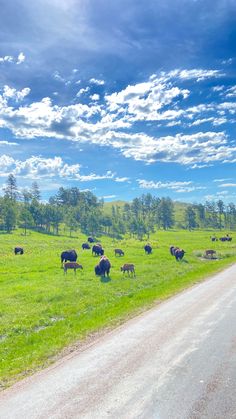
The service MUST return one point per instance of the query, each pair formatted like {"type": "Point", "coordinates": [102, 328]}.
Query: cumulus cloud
{"type": "Point", "coordinates": [113, 122]}
{"type": "Point", "coordinates": [17, 95]}
{"type": "Point", "coordinates": [95, 97]}
{"type": "Point", "coordinates": [37, 167]}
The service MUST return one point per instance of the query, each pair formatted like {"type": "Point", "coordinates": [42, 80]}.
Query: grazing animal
{"type": "Point", "coordinates": [172, 250]}
{"type": "Point", "coordinates": [148, 249]}
{"type": "Point", "coordinates": [210, 253]}
{"type": "Point", "coordinates": [91, 240]}
{"type": "Point", "coordinates": [71, 265]}
{"type": "Point", "coordinates": [97, 250]}
{"type": "Point", "coordinates": [177, 252]}
{"type": "Point", "coordinates": [214, 239]}
{"type": "Point", "coordinates": [103, 267]}
{"type": "Point", "coordinates": [85, 246]}
{"type": "Point", "coordinates": [69, 255]}
{"type": "Point", "coordinates": [18, 250]}
{"type": "Point", "coordinates": [225, 239]}
{"type": "Point", "coordinates": [129, 268]}
{"type": "Point", "coordinates": [119, 252]}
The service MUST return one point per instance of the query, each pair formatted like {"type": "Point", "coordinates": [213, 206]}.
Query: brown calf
{"type": "Point", "coordinates": [71, 265]}
{"type": "Point", "coordinates": [128, 267]}
{"type": "Point", "coordinates": [210, 253]}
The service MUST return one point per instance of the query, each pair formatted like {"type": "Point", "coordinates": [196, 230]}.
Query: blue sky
{"type": "Point", "coordinates": [121, 98]}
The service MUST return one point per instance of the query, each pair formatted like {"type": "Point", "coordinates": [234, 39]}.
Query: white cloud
{"type": "Point", "coordinates": [20, 58]}
{"type": "Point", "coordinates": [217, 88]}
{"type": "Point", "coordinates": [150, 184]}
{"type": "Point", "coordinates": [97, 81]}
{"type": "Point", "coordinates": [6, 58]}
{"type": "Point", "coordinates": [231, 92]}
{"type": "Point", "coordinates": [17, 95]}
{"type": "Point", "coordinates": [10, 59]}
{"type": "Point", "coordinates": [227, 185]}
{"type": "Point", "coordinates": [95, 97]}
{"type": "Point", "coordinates": [221, 180]}
{"type": "Point", "coordinates": [108, 196]}
{"type": "Point", "coordinates": [37, 167]}
{"type": "Point", "coordinates": [197, 74]}
{"type": "Point", "coordinates": [4, 143]}
{"type": "Point", "coordinates": [82, 91]}
{"type": "Point", "coordinates": [121, 179]}
{"type": "Point", "coordinates": [178, 187]}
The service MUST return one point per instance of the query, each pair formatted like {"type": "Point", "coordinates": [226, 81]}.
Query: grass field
{"type": "Point", "coordinates": [42, 311]}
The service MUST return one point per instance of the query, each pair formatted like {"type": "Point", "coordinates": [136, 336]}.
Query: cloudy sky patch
{"type": "Point", "coordinates": [92, 92]}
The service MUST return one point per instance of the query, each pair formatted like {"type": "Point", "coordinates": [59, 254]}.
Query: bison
{"type": "Point", "coordinates": [119, 252]}
{"type": "Point", "coordinates": [226, 238]}
{"type": "Point", "coordinates": [214, 239]}
{"type": "Point", "coordinates": [85, 246]}
{"type": "Point", "coordinates": [210, 253]}
{"type": "Point", "coordinates": [19, 250]}
{"type": "Point", "coordinates": [71, 265]}
{"type": "Point", "coordinates": [103, 267]}
{"type": "Point", "coordinates": [177, 252]}
{"type": "Point", "coordinates": [91, 240]}
{"type": "Point", "coordinates": [97, 250]}
{"type": "Point", "coordinates": [128, 267]}
{"type": "Point", "coordinates": [148, 249]}
{"type": "Point", "coordinates": [172, 250]}
{"type": "Point", "coordinates": [68, 255]}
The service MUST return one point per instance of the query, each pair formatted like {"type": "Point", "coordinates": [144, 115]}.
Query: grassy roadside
{"type": "Point", "coordinates": [42, 311]}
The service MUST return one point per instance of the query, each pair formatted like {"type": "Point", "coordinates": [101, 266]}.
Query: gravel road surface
{"type": "Point", "coordinates": [176, 361]}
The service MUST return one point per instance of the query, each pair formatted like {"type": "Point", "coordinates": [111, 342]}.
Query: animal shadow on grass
{"type": "Point", "coordinates": [105, 279]}
{"type": "Point", "coordinates": [184, 261]}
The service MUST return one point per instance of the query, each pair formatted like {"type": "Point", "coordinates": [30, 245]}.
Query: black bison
{"type": "Point", "coordinates": [91, 240]}
{"type": "Point", "coordinates": [19, 250]}
{"type": "Point", "coordinates": [103, 267]}
{"type": "Point", "coordinates": [172, 250]}
{"type": "Point", "coordinates": [71, 265]}
{"type": "Point", "coordinates": [129, 268]}
{"type": "Point", "coordinates": [97, 250]}
{"type": "Point", "coordinates": [85, 246]}
{"type": "Point", "coordinates": [148, 249]}
{"type": "Point", "coordinates": [69, 255]}
{"type": "Point", "coordinates": [225, 239]}
{"type": "Point", "coordinates": [177, 252]}
{"type": "Point", "coordinates": [119, 252]}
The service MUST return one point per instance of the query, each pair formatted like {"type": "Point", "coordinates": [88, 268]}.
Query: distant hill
{"type": "Point", "coordinates": [179, 208]}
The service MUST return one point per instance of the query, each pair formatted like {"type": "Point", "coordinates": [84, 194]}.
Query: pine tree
{"type": "Point", "coordinates": [11, 190]}
{"type": "Point", "coordinates": [35, 191]}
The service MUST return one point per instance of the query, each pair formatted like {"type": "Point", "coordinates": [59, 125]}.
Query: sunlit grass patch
{"type": "Point", "coordinates": [42, 310]}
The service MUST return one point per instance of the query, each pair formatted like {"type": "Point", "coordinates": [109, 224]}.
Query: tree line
{"type": "Point", "coordinates": [71, 209]}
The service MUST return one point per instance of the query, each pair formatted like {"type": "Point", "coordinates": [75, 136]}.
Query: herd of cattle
{"type": "Point", "coordinates": [69, 257]}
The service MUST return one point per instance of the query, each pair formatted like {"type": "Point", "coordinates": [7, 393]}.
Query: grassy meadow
{"type": "Point", "coordinates": [43, 311]}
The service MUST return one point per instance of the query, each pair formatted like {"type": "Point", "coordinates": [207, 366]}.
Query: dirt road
{"type": "Point", "coordinates": [176, 361]}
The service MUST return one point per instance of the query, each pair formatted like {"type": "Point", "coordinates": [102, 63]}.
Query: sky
{"type": "Point", "coordinates": [121, 98]}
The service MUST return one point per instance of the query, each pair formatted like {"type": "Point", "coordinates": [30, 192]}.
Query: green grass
{"type": "Point", "coordinates": [42, 311]}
